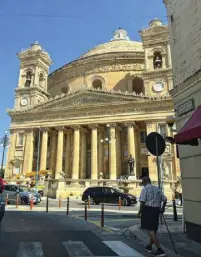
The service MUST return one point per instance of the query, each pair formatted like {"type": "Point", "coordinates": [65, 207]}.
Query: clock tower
{"type": "Point", "coordinates": [32, 85]}
{"type": "Point", "coordinates": [158, 64]}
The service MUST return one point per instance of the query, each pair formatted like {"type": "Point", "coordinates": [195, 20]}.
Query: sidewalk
{"type": "Point", "coordinates": [184, 246]}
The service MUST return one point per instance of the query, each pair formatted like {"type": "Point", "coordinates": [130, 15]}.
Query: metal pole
{"type": "Point", "coordinates": [38, 159]}
{"type": "Point", "coordinates": [169, 235]}
{"type": "Point", "coordinates": [85, 210]}
{"type": "Point", "coordinates": [102, 215]}
{"type": "Point", "coordinates": [158, 164]}
{"type": "Point", "coordinates": [158, 171]}
{"type": "Point", "coordinates": [67, 210]}
{"type": "Point", "coordinates": [174, 210]}
{"type": "Point", "coordinates": [4, 147]}
{"type": "Point", "coordinates": [47, 203]}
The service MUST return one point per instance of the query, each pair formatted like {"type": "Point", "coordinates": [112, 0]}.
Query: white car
{"type": "Point", "coordinates": [25, 194]}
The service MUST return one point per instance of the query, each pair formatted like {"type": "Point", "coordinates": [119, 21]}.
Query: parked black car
{"type": "Point", "coordinates": [108, 195]}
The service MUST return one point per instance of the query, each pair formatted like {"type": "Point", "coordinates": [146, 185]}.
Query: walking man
{"type": "Point", "coordinates": [151, 199]}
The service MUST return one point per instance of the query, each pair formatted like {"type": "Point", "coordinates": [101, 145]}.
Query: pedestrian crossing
{"type": "Point", "coordinates": [76, 248]}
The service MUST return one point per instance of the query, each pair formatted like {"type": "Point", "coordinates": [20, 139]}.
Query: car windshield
{"type": "Point", "coordinates": [26, 189]}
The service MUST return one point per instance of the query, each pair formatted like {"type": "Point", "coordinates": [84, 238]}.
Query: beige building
{"type": "Point", "coordinates": [120, 87]}
{"type": "Point", "coordinates": [185, 37]}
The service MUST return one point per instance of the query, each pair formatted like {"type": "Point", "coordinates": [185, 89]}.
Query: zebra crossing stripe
{"type": "Point", "coordinates": [30, 249]}
{"type": "Point", "coordinates": [122, 249]}
{"type": "Point", "coordinates": [76, 248]}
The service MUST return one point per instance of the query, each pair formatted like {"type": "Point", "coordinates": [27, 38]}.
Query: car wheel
{"type": "Point", "coordinates": [24, 200]}
{"type": "Point", "coordinates": [124, 202]}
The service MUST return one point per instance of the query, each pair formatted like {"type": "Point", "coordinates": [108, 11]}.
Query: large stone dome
{"type": "Point", "coordinates": [120, 43]}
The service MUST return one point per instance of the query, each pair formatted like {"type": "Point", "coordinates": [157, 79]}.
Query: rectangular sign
{"type": "Point", "coordinates": [185, 107]}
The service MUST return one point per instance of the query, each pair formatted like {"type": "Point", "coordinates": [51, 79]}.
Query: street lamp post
{"type": "Point", "coordinates": [108, 139]}
{"type": "Point", "coordinates": [38, 158]}
{"type": "Point", "coordinates": [4, 143]}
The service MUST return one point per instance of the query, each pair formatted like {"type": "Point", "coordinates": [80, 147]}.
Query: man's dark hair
{"type": "Point", "coordinates": [146, 179]}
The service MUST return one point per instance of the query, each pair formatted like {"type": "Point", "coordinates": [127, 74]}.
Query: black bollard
{"type": "Point", "coordinates": [102, 215]}
{"type": "Point", "coordinates": [47, 203]}
{"type": "Point", "coordinates": [85, 211]}
{"type": "Point", "coordinates": [174, 210]}
{"type": "Point", "coordinates": [67, 209]}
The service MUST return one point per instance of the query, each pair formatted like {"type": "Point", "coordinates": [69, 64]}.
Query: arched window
{"type": "Point", "coordinates": [97, 83]}
{"type": "Point", "coordinates": [41, 80]}
{"type": "Point", "coordinates": [138, 86]}
{"type": "Point", "coordinates": [158, 60]}
{"type": "Point", "coordinates": [28, 79]}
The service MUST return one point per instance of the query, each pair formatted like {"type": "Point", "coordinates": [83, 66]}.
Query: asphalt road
{"type": "Point", "coordinates": [40, 234]}
{"type": "Point", "coordinates": [114, 219]}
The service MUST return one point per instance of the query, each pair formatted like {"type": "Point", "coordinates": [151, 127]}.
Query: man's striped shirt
{"type": "Point", "coordinates": [152, 196]}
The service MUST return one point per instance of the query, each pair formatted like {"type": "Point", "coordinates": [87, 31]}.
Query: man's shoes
{"type": "Point", "coordinates": [148, 248]}
{"type": "Point", "coordinates": [159, 252]}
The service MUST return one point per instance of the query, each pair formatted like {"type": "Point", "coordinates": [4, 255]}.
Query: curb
{"type": "Point", "coordinates": [138, 234]}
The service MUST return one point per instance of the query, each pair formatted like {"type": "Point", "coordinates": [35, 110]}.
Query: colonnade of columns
{"type": "Point", "coordinates": [76, 147]}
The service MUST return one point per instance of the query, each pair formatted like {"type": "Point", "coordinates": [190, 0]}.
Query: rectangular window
{"type": "Point", "coordinates": [162, 130]}
{"type": "Point", "coordinates": [20, 139]}
{"type": "Point", "coordinates": [143, 137]}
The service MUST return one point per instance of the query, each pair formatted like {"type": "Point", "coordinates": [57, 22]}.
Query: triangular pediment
{"type": "Point", "coordinates": [87, 97]}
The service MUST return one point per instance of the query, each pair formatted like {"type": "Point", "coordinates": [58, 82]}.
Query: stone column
{"type": "Point", "coordinates": [83, 160]}
{"type": "Point", "coordinates": [169, 56]}
{"type": "Point", "coordinates": [59, 155]}
{"type": "Point", "coordinates": [94, 152]}
{"type": "Point", "coordinates": [101, 152]}
{"type": "Point", "coordinates": [112, 154]}
{"type": "Point", "coordinates": [146, 60]}
{"type": "Point", "coordinates": [119, 151]}
{"type": "Point", "coordinates": [152, 165]}
{"type": "Point", "coordinates": [53, 152]}
{"type": "Point", "coordinates": [10, 154]}
{"type": "Point", "coordinates": [131, 143]}
{"type": "Point", "coordinates": [76, 153]}
{"type": "Point", "coordinates": [43, 153]}
{"type": "Point", "coordinates": [28, 154]}
{"type": "Point", "coordinates": [68, 153]}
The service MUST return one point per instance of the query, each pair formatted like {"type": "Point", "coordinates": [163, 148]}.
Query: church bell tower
{"type": "Point", "coordinates": [158, 64]}
{"type": "Point", "coordinates": [32, 85]}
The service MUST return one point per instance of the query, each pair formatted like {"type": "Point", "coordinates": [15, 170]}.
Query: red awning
{"type": "Point", "coordinates": [191, 131]}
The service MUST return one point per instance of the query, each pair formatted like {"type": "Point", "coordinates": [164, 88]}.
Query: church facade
{"type": "Point", "coordinates": [87, 118]}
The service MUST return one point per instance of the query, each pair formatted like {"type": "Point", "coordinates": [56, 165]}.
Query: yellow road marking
{"type": "Point", "coordinates": [96, 223]}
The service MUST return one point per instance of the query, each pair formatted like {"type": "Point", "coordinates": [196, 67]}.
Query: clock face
{"type": "Point", "coordinates": [158, 87]}
{"type": "Point", "coordinates": [24, 101]}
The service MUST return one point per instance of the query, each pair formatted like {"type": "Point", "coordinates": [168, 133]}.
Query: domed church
{"type": "Point", "coordinates": [88, 121]}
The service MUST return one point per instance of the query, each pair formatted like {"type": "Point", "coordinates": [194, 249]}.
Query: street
{"type": "Point", "coordinates": [37, 234]}
{"type": "Point", "coordinates": [115, 219]}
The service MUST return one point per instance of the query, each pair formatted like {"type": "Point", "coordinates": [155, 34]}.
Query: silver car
{"type": "Point", "coordinates": [25, 194]}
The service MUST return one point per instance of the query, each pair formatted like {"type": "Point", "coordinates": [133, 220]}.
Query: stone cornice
{"type": "Point", "coordinates": [110, 94]}
{"type": "Point", "coordinates": [91, 111]}
{"type": "Point", "coordinates": [189, 82]}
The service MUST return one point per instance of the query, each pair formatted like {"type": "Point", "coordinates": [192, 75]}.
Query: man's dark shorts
{"type": "Point", "coordinates": [150, 218]}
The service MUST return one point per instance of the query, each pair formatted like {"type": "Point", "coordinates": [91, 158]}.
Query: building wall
{"type": "Point", "coordinates": [185, 37]}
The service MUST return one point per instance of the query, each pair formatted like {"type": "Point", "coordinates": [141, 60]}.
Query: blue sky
{"type": "Point", "coordinates": [66, 29]}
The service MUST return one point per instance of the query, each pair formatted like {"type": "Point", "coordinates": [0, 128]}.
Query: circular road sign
{"type": "Point", "coordinates": [155, 144]}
